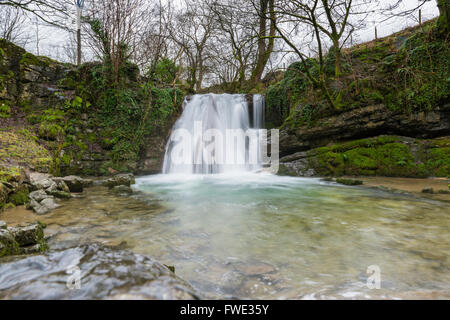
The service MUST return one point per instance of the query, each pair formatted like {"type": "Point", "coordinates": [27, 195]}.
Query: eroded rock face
{"type": "Point", "coordinates": [365, 122]}
{"type": "Point", "coordinates": [106, 273]}
{"type": "Point", "coordinates": [393, 156]}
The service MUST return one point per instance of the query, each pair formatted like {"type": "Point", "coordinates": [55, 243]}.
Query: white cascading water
{"type": "Point", "coordinates": [218, 112]}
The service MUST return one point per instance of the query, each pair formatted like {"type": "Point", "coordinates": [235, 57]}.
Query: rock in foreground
{"type": "Point", "coordinates": [22, 240]}
{"type": "Point", "coordinates": [125, 179]}
{"type": "Point", "coordinates": [106, 273]}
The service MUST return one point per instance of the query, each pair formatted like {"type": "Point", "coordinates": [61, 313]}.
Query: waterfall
{"type": "Point", "coordinates": [216, 133]}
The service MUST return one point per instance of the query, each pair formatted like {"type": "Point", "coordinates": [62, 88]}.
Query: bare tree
{"type": "Point", "coordinates": [12, 25]}
{"type": "Point", "coordinates": [153, 40]}
{"type": "Point", "coordinates": [53, 12]}
{"type": "Point", "coordinates": [114, 25]}
{"type": "Point", "coordinates": [191, 30]}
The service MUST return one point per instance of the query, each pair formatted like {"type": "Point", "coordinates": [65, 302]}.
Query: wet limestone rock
{"type": "Point", "coordinates": [41, 202]}
{"type": "Point", "coordinates": [8, 246]}
{"type": "Point", "coordinates": [124, 179]}
{"type": "Point", "coordinates": [29, 235]}
{"type": "Point", "coordinates": [74, 183]}
{"type": "Point", "coordinates": [108, 273]}
{"type": "Point", "coordinates": [22, 240]}
{"type": "Point", "coordinates": [41, 180]}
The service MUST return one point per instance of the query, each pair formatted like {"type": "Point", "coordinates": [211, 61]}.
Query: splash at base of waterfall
{"type": "Point", "coordinates": [217, 133]}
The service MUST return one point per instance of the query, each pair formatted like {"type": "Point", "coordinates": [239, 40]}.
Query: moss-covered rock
{"type": "Point", "coordinates": [21, 149]}
{"type": "Point", "coordinates": [382, 156]}
{"type": "Point", "coordinates": [349, 182]}
{"type": "Point", "coordinates": [22, 240]}
{"type": "Point", "coordinates": [50, 131]}
{"type": "Point", "coordinates": [20, 196]}
{"type": "Point", "coordinates": [8, 245]}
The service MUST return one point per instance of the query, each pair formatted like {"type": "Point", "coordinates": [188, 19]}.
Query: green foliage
{"type": "Point", "coordinates": [126, 112]}
{"type": "Point", "coordinates": [408, 71]}
{"type": "Point", "coordinates": [20, 197]}
{"type": "Point", "coordinates": [30, 59]}
{"type": "Point", "coordinates": [164, 71]}
{"type": "Point", "coordinates": [50, 131]}
{"type": "Point", "coordinates": [5, 109]}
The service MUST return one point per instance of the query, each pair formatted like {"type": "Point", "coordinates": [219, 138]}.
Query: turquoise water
{"type": "Point", "coordinates": [255, 236]}
{"type": "Point", "coordinates": [262, 236]}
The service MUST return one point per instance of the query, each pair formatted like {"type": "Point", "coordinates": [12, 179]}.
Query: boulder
{"type": "Point", "coordinates": [39, 195]}
{"type": "Point", "coordinates": [60, 194]}
{"type": "Point", "coordinates": [22, 240]}
{"type": "Point", "coordinates": [124, 179]}
{"type": "Point", "coordinates": [4, 191]}
{"type": "Point", "coordinates": [49, 203]}
{"type": "Point", "coordinates": [42, 203]}
{"type": "Point", "coordinates": [125, 274]}
{"type": "Point", "coordinates": [8, 246]}
{"type": "Point", "coordinates": [28, 235]}
{"type": "Point", "coordinates": [74, 183]}
{"type": "Point", "coordinates": [41, 180]}
{"type": "Point", "coordinates": [349, 182]}
{"type": "Point", "coordinates": [3, 225]}
{"type": "Point", "coordinates": [428, 190]}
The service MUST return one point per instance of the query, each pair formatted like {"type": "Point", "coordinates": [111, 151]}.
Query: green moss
{"type": "Point", "coordinates": [367, 157]}
{"type": "Point", "coordinates": [328, 163]}
{"type": "Point", "coordinates": [8, 174]}
{"type": "Point", "coordinates": [5, 110]}
{"type": "Point", "coordinates": [8, 246]}
{"type": "Point", "coordinates": [21, 149]}
{"type": "Point", "coordinates": [19, 197]}
{"type": "Point", "coordinates": [50, 131]}
{"type": "Point", "coordinates": [30, 59]}
{"type": "Point", "coordinates": [438, 161]}
{"type": "Point", "coordinates": [285, 171]}
{"type": "Point", "coordinates": [349, 182]}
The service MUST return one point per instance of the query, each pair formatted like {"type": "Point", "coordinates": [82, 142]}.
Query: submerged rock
{"type": "Point", "coordinates": [106, 273]}
{"type": "Point", "coordinates": [349, 182]}
{"type": "Point", "coordinates": [122, 190]}
{"type": "Point", "coordinates": [61, 194]}
{"type": "Point", "coordinates": [428, 190]}
{"type": "Point", "coordinates": [124, 179]}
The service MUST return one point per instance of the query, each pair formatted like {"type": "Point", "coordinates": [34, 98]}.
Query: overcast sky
{"type": "Point", "coordinates": [53, 40]}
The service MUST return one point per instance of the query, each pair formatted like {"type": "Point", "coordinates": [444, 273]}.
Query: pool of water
{"type": "Point", "coordinates": [267, 237]}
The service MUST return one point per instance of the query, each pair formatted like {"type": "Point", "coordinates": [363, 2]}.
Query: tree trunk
{"type": "Point", "coordinates": [264, 51]}
{"type": "Point", "coordinates": [338, 57]}
{"type": "Point", "coordinates": [444, 16]}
